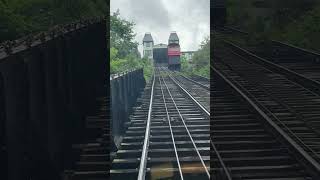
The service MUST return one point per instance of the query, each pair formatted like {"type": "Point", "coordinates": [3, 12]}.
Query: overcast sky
{"type": "Point", "coordinates": [189, 18]}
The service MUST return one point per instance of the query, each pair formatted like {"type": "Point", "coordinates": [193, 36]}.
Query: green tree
{"type": "Point", "coordinates": [122, 36]}
{"type": "Point", "coordinates": [202, 57]}
{"type": "Point", "coordinates": [186, 67]}
{"type": "Point", "coordinates": [124, 54]}
{"type": "Point", "coordinates": [200, 63]}
{"type": "Point", "coordinates": [304, 32]}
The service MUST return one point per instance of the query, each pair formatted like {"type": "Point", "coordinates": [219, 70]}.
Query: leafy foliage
{"type": "Point", "coordinates": [21, 17]}
{"type": "Point", "coordinates": [292, 21]}
{"type": "Point", "coordinates": [304, 32]}
{"type": "Point", "coordinates": [128, 63]}
{"type": "Point", "coordinates": [124, 54]}
{"type": "Point", "coordinates": [202, 56]}
{"type": "Point", "coordinates": [200, 63]}
{"type": "Point", "coordinates": [147, 68]}
{"type": "Point", "coordinates": [119, 64]}
{"type": "Point", "coordinates": [122, 35]}
{"type": "Point", "coordinates": [186, 67]}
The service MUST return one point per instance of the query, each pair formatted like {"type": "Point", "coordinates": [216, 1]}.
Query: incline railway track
{"type": "Point", "coordinates": [291, 106]}
{"type": "Point", "coordinates": [199, 90]}
{"type": "Point", "coordinates": [298, 64]}
{"type": "Point", "coordinates": [93, 161]}
{"type": "Point", "coordinates": [301, 61]}
{"type": "Point", "coordinates": [203, 80]}
{"type": "Point", "coordinates": [285, 96]}
{"type": "Point", "coordinates": [198, 80]}
{"type": "Point", "coordinates": [230, 30]}
{"type": "Point", "coordinates": [249, 144]}
{"type": "Point", "coordinates": [303, 93]}
{"type": "Point", "coordinates": [168, 136]}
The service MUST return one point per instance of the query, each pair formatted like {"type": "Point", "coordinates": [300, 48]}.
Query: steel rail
{"type": "Point", "coordinates": [171, 132]}
{"type": "Point", "coordinates": [200, 93]}
{"type": "Point", "coordinates": [194, 100]}
{"type": "Point", "coordinates": [303, 145]}
{"type": "Point", "coordinates": [287, 138]}
{"type": "Point", "coordinates": [193, 143]}
{"type": "Point", "coordinates": [236, 30]}
{"type": "Point", "coordinates": [224, 167]}
{"type": "Point", "coordinates": [212, 144]}
{"type": "Point", "coordinates": [305, 51]}
{"type": "Point", "coordinates": [144, 155]}
{"type": "Point", "coordinates": [202, 77]}
{"type": "Point", "coordinates": [199, 84]}
{"type": "Point", "coordinates": [299, 79]}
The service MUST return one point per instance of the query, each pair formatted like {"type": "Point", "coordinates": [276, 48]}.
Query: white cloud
{"type": "Point", "coordinates": [189, 18]}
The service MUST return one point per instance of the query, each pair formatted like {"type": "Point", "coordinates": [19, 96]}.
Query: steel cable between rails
{"type": "Point", "coordinates": [182, 119]}
{"type": "Point", "coordinates": [225, 169]}
{"type": "Point", "coordinates": [171, 132]}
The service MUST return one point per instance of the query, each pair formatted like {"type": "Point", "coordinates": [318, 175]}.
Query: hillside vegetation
{"type": "Point", "coordinates": [21, 17]}
{"type": "Point", "coordinates": [124, 54]}
{"type": "Point", "coordinates": [292, 21]}
{"type": "Point", "coordinates": [200, 63]}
